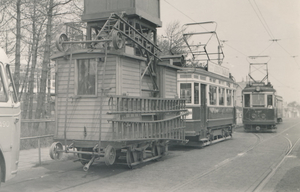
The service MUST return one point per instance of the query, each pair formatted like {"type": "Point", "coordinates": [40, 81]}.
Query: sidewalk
{"type": "Point", "coordinates": [30, 158]}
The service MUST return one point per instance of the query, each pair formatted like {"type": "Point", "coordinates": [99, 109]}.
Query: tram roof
{"type": "Point", "coordinates": [3, 56]}
{"type": "Point", "coordinates": [205, 72]}
{"type": "Point", "coordinates": [261, 88]}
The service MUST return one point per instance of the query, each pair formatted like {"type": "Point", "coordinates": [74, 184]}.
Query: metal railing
{"type": "Point", "coordinates": [38, 137]}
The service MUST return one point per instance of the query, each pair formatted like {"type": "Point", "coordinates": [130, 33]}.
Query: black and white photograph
{"type": "Point", "coordinates": [149, 95]}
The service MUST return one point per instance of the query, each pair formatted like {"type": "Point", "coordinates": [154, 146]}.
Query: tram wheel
{"type": "Point", "coordinates": [55, 150]}
{"type": "Point", "coordinates": [129, 158]}
{"type": "Point", "coordinates": [59, 43]}
{"type": "Point", "coordinates": [154, 151]}
{"type": "Point", "coordinates": [110, 155]}
{"type": "Point", "coordinates": [117, 40]}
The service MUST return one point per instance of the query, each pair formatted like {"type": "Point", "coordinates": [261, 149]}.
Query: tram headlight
{"type": "Point", "coordinates": [253, 116]}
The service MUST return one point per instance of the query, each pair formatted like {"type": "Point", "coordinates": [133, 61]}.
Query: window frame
{"type": "Point", "coordinates": [262, 96]}
{"type": "Point", "coordinates": [229, 104]}
{"type": "Point", "coordinates": [77, 77]}
{"type": "Point", "coordinates": [216, 92]}
{"type": "Point", "coordinates": [3, 84]}
{"type": "Point", "coordinates": [219, 96]}
{"type": "Point", "coordinates": [191, 92]}
{"type": "Point", "coordinates": [11, 83]}
{"type": "Point", "coordinates": [249, 99]}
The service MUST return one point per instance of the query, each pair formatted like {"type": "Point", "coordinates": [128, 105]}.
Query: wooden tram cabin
{"type": "Point", "coordinates": [209, 94]}
{"type": "Point", "coordinates": [112, 98]}
{"type": "Point", "coordinates": [262, 108]}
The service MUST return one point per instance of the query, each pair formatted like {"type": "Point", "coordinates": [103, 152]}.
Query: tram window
{"type": "Point", "coordinates": [258, 100]}
{"type": "Point", "coordinates": [196, 93]}
{"type": "Point", "coordinates": [270, 100]}
{"type": "Point", "coordinates": [228, 94]}
{"type": "Point", "coordinates": [86, 77]}
{"type": "Point", "coordinates": [185, 91]}
{"type": "Point", "coordinates": [3, 95]}
{"type": "Point", "coordinates": [221, 96]}
{"type": "Point", "coordinates": [212, 95]}
{"type": "Point", "coordinates": [11, 84]}
{"type": "Point", "coordinates": [247, 100]}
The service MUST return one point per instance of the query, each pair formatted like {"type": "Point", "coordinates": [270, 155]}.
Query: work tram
{"type": "Point", "coordinates": [10, 114]}
{"type": "Point", "coordinates": [262, 107]}
{"type": "Point", "coordinates": [118, 102]}
{"type": "Point", "coordinates": [110, 101]}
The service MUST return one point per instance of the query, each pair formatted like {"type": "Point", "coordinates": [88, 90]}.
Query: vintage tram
{"type": "Point", "coordinates": [210, 102]}
{"type": "Point", "coordinates": [207, 86]}
{"type": "Point", "coordinates": [262, 107]}
{"type": "Point", "coordinates": [110, 101]}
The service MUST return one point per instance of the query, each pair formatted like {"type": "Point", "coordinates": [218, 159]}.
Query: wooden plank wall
{"type": "Point", "coordinates": [130, 77]}
{"type": "Point", "coordinates": [83, 112]}
{"type": "Point", "coordinates": [147, 82]}
{"type": "Point", "coordinates": [170, 83]}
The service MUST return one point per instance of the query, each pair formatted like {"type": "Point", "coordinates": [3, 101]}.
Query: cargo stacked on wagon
{"type": "Point", "coordinates": [207, 86]}
{"type": "Point", "coordinates": [262, 107]}
{"type": "Point", "coordinates": [110, 104]}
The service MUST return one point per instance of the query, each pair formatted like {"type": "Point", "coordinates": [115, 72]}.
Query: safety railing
{"type": "Point", "coordinates": [38, 137]}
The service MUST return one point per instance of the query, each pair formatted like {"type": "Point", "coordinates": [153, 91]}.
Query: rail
{"type": "Point", "coordinates": [38, 137]}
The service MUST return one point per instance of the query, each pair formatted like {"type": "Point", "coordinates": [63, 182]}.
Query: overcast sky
{"type": "Point", "coordinates": [248, 28]}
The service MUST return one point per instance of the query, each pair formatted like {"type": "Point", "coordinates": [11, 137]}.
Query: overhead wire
{"type": "Point", "coordinates": [287, 52]}
{"type": "Point", "coordinates": [263, 22]}
{"type": "Point", "coordinates": [266, 24]}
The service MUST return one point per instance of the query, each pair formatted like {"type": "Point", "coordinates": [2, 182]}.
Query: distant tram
{"type": "Point", "coordinates": [262, 107]}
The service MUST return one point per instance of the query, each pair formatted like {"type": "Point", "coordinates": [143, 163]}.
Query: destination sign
{"type": "Point", "coordinates": [257, 84]}
{"type": "Point", "coordinates": [218, 69]}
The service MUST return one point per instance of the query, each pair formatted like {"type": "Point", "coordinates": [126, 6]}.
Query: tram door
{"type": "Point", "coordinates": [203, 106]}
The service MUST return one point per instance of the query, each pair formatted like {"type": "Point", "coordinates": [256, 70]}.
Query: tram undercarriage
{"type": "Point", "coordinates": [213, 135]}
{"type": "Point", "coordinates": [260, 127]}
{"type": "Point", "coordinates": [122, 152]}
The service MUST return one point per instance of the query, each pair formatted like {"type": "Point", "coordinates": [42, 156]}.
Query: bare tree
{"type": "Point", "coordinates": [18, 47]}
{"type": "Point", "coordinates": [172, 43]}
{"type": "Point", "coordinates": [37, 26]}
{"type": "Point", "coordinates": [46, 58]}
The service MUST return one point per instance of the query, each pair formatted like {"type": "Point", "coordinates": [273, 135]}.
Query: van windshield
{"type": "Point", "coordinates": [11, 84]}
{"type": "Point", "coordinates": [3, 94]}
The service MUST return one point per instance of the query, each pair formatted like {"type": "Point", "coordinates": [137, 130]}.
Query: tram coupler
{"type": "Point", "coordinates": [87, 166]}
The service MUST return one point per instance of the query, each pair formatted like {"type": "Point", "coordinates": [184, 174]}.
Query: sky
{"type": "Point", "coordinates": [249, 28]}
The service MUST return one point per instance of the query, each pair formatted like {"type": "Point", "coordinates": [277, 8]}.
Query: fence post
{"type": "Point", "coordinates": [39, 146]}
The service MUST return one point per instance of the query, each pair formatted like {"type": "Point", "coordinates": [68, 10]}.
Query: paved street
{"type": "Point", "coordinates": [247, 162]}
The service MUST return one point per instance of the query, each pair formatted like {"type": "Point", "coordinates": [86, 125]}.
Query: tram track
{"type": "Point", "coordinates": [266, 176]}
{"type": "Point", "coordinates": [193, 179]}
{"type": "Point", "coordinates": [275, 167]}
